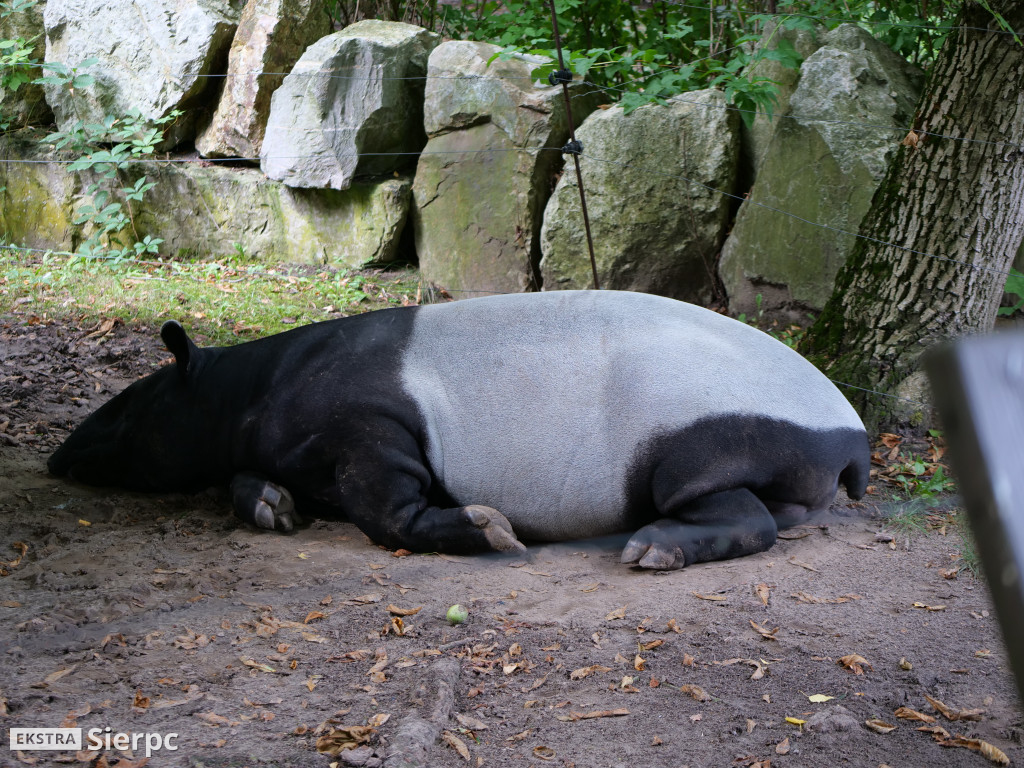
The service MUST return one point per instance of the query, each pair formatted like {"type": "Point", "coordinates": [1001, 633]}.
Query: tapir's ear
{"type": "Point", "coordinates": [184, 350]}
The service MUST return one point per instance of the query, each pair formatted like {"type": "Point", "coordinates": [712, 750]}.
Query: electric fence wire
{"type": "Point", "coordinates": [587, 155]}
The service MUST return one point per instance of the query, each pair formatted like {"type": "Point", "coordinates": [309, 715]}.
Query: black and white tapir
{"type": "Point", "coordinates": [475, 425]}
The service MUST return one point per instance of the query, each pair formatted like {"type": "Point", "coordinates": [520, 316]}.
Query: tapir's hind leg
{"type": "Point", "coordinates": [716, 526]}
{"type": "Point", "coordinates": [262, 503]}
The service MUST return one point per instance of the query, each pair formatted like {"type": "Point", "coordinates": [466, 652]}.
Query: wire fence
{"type": "Point", "coordinates": [655, 168]}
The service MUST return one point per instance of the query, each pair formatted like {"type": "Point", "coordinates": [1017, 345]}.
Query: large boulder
{"type": "Point", "coordinates": [27, 105]}
{"type": "Point", "coordinates": [37, 198]}
{"type": "Point", "coordinates": [654, 181]}
{"type": "Point", "coordinates": [154, 57]}
{"type": "Point", "coordinates": [205, 212]}
{"type": "Point", "coordinates": [352, 106]}
{"type": "Point", "coordinates": [208, 212]}
{"type": "Point", "coordinates": [488, 168]}
{"type": "Point", "coordinates": [271, 36]}
{"type": "Point", "coordinates": [823, 164]}
{"type": "Point", "coordinates": [802, 40]}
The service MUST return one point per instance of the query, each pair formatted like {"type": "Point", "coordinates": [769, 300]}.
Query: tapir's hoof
{"type": "Point", "coordinates": [264, 504]}
{"type": "Point", "coordinates": [495, 528]}
{"type": "Point", "coordinates": [652, 547]}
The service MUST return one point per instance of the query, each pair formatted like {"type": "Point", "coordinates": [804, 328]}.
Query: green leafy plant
{"type": "Point", "coordinates": [922, 480]}
{"type": "Point", "coordinates": [17, 64]}
{"type": "Point", "coordinates": [106, 150]}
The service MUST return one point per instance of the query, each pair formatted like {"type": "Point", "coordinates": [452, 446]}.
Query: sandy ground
{"type": "Point", "coordinates": [153, 616]}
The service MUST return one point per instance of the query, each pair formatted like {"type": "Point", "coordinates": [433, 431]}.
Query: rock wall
{"type": "Point", "coordinates": [380, 129]}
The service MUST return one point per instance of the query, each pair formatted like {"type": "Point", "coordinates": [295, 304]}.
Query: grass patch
{"type": "Point", "coordinates": [223, 300]}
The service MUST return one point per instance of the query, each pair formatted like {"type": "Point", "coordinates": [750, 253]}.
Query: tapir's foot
{"type": "Point", "coordinates": [264, 504]}
{"type": "Point", "coordinates": [468, 530]}
{"type": "Point", "coordinates": [495, 528]}
{"type": "Point", "coordinates": [716, 526]}
{"type": "Point", "coordinates": [658, 546]}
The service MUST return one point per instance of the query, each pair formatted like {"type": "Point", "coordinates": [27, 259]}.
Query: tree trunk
{"type": "Point", "coordinates": [943, 227]}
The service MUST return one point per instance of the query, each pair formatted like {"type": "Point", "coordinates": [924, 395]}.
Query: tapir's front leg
{"type": "Point", "coordinates": [715, 526]}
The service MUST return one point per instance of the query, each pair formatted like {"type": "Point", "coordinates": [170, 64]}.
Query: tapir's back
{"type": "Point", "coordinates": [534, 403]}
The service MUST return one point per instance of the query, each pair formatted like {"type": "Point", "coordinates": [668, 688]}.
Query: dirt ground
{"type": "Point", "coordinates": [154, 616]}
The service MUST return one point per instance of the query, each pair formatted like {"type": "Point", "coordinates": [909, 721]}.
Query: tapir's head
{"type": "Point", "coordinates": [149, 437]}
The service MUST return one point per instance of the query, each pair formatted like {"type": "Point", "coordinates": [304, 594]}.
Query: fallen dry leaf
{"type": "Point", "coordinates": [471, 723]}
{"type": "Point", "coordinates": [22, 549]}
{"type": "Point", "coordinates": [763, 591]}
{"type": "Point", "coordinates": [804, 597]}
{"type": "Point", "coordinates": [313, 616]}
{"type": "Point", "coordinates": [906, 713]}
{"type": "Point", "coordinates": [819, 698]}
{"type": "Point", "coordinates": [363, 599]}
{"type": "Point", "coordinates": [573, 716]}
{"type": "Point", "coordinates": [695, 691]}
{"type": "Point", "coordinates": [954, 714]}
{"type": "Point", "coordinates": [456, 743]}
{"type": "Point", "coordinates": [55, 676]}
{"type": "Point", "coordinates": [855, 663]}
{"type": "Point", "coordinates": [338, 739]}
{"type": "Point", "coordinates": [782, 748]}
{"type": "Point", "coordinates": [582, 672]}
{"type": "Point", "coordinates": [717, 598]}
{"type": "Point", "coordinates": [930, 607]}
{"type": "Point", "coordinates": [256, 665]}
{"type": "Point", "coordinates": [879, 726]}
{"type": "Point", "coordinates": [808, 566]}
{"type": "Point", "coordinates": [140, 702]}
{"type": "Point", "coordinates": [617, 614]}
{"type": "Point", "coordinates": [937, 731]}
{"type": "Point", "coordinates": [767, 634]}
{"type": "Point", "coordinates": [993, 753]}
{"type": "Point", "coordinates": [544, 753]}
{"type": "Point", "coordinates": [212, 718]}
{"type": "Point", "coordinates": [394, 609]}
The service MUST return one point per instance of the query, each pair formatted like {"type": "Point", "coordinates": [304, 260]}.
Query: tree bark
{"type": "Point", "coordinates": [943, 227]}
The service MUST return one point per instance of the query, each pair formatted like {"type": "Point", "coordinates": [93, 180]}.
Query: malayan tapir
{"type": "Point", "coordinates": [472, 426]}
